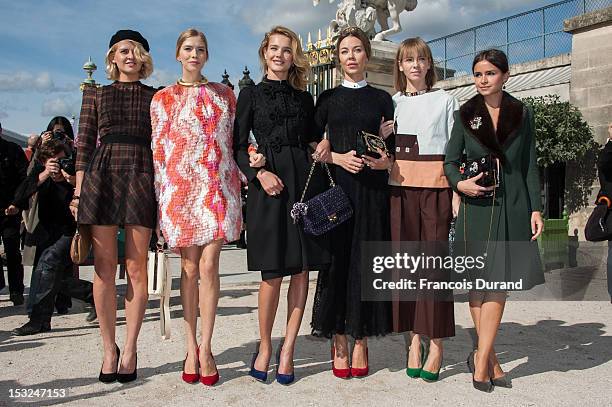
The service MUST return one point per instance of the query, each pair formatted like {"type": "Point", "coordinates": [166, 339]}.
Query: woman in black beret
{"type": "Point", "coordinates": [114, 190]}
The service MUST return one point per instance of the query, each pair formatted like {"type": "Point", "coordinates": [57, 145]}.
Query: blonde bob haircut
{"type": "Point", "coordinates": [188, 33]}
{"type": "Point", "coordinates": [409, 47]}
{"type": "Point", "coordinates": [299, 73]}
{"type": "Point", "coordinates": [141, 55]}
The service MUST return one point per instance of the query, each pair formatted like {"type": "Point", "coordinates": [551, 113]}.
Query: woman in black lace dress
{"type": "Point", "coordinates": [279, 113]}
{"type": "Point", "coordinates": [344, 111]}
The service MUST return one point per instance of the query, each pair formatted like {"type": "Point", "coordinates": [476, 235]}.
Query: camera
{"type": "Point", "coordinates": [58, 135]}
{"type": "Point", "coordinates": [68, 165]}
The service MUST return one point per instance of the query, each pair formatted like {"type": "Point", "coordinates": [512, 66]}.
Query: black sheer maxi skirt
{"type": "Point", "coordinates": [338, 308]}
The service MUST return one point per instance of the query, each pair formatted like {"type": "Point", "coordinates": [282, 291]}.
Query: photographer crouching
{"type": "Point", "coordinates": [52, 178]}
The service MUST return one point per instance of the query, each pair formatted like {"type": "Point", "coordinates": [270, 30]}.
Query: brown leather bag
{"type": "Point", "coordinates": [81, 244]}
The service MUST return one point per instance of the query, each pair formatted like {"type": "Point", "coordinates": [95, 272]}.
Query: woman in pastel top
{"type": "Point", "coordinates": [421, 198]}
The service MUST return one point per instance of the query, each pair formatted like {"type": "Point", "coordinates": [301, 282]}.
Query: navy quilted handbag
{"type": "Point", "coordinates": [324, 211]}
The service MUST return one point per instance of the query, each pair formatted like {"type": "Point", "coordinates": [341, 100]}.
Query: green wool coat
{"type": "Point", "coordinates": [518, 195]}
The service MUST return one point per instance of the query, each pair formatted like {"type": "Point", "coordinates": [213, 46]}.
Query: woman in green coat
{"type": "Point", "coordinates": [494, 124]}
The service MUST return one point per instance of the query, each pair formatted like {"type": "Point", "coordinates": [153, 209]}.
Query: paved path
{"type": "Point", "coordinates": [559, 353]}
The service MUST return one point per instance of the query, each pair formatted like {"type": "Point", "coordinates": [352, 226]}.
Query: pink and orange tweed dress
{"type": "Point", "coordinates": [197, 181]}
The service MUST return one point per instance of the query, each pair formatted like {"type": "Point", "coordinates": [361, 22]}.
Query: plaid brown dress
{"type": "Point", "coordinates": [117, 186]}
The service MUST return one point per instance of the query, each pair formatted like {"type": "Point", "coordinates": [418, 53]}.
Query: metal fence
{"type": "Point", "coordinates": [322, 79]}
{"type": "Point", "coordinates": [528, 36]}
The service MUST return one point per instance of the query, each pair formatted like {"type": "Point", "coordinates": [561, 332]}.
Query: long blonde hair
{"type": "Point", "coordinates": [299, 73]}
{"type": "Point", "coordinates": [140, 54]}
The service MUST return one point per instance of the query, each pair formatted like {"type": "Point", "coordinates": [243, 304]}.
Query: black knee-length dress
{"type": "Point", "coordinates": [281, 121]}
{"type": "Point", "coordinates": [117, 186]}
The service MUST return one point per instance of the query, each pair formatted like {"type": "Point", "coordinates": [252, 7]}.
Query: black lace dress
{"type": "Point", "coordinates": [338, 308]}
{"type": "Point", "coordinates": [281, 120]}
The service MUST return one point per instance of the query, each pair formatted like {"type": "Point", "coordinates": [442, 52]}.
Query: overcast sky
{"type": "Point", "coordinates": [44, 43]}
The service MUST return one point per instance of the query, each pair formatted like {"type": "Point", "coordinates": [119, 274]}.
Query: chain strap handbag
{"type": "Point", "coordinates": [160, 284]}
{"type": "Point", "coordinates": [324, 211]}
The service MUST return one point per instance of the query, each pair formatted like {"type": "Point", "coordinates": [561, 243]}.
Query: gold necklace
{"type": "Point", "coordinates": [201, 82]}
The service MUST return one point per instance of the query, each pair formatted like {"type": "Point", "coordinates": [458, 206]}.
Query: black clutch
{"type": "Point", "coordinates": [369, 144]}
{"type": "Point", "coordinates": [488, 165]}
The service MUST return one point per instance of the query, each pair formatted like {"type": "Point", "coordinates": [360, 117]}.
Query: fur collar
{"type": "Point", "coordinates": [477, 121]}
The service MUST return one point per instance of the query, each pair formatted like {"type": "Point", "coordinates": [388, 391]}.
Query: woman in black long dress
{"type": "Point", "coordinates": [345, 110]}
{"type": "Point", "coordinates": [604, 169]}
{"type": "Point", "coordinates": [279, 113]}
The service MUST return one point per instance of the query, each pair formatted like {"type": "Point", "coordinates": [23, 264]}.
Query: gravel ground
{"type": "Point", "coordinates": [558, 353]}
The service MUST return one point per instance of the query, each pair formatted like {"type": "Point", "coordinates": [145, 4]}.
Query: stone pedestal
{"type": "Point", "coordinates": [380, 66]}
{"type": "Point", "coordinates": [590, 88]}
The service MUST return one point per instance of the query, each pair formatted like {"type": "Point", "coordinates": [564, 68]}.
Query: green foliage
{"type": "Point", "coordinates": [579, 177]}
{"type": "Point", "coordinates": [562, 134]}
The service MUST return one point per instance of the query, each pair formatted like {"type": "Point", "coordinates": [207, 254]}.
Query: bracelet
{"type": "Point", "coordinates": [75, 197]}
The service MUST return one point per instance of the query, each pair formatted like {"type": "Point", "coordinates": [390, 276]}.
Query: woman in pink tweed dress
{"type": "Point", "coordinates": [197, 184]}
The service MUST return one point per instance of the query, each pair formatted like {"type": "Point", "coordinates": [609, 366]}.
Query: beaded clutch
{"type": "Point", "coordinates": [369, 144]}
{"type": "Point", "coordinates": [488, 165]}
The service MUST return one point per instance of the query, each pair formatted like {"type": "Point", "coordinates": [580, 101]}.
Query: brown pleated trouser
{"type": "Point", "coordinates": [422, 214]}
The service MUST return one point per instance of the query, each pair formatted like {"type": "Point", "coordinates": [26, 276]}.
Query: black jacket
{"type": "Point", "coordinates": [13, 168]}
{"type": "Point", "coordinates": [55, 219]}
{"type": "Point", "coordinates": [604, 168]}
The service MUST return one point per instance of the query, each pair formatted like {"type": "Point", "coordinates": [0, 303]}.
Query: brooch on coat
{"type": "Point", "coordinates": [476, 122]}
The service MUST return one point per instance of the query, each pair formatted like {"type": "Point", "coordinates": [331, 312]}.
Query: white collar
{"type": "Point", "coordinates": [354, 85]}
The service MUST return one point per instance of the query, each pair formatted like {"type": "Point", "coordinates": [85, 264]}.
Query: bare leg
{"type": "Point", "coordinates": [137, 240]}
{"type": "Point", "coordinates": [360, 358]}
{"type": "Point", "coordinates": [491, 312]}
{"type": "Point", "coordinates": [296, 301]}
{"type": "Point", "coordinates": [269, 292]}
{"type": "Point", "coordinates": [414, 353]}
{"type": "Point", "coordinates": [434, 356]}
{"type": "Point", "coordinates": [341, 361]}
{"type": "Point", "coordinates": [209, 298]}
{"type": "Point", "coordinates": [190, 257]}
{"type": "Point", "coordinates": [476, 299]}
{"type": "Point", "coordinates": [104, 244]}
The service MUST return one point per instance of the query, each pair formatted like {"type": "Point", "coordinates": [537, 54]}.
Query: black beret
{"type": "Point", "coordinates": [129, 35]}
